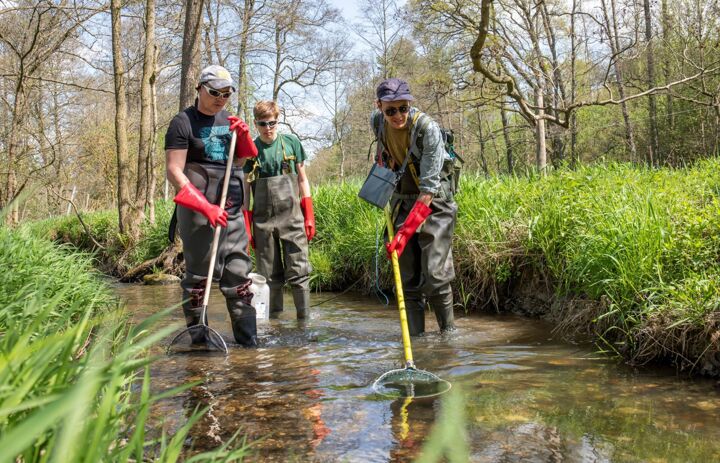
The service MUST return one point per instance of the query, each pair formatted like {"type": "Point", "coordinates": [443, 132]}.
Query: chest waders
{"type": "Point", "coordinates": [281, 246]}
{"type": "Point", "coordinates": [426, 264]}
{"type": "Point", "coordinates": [232, 264]}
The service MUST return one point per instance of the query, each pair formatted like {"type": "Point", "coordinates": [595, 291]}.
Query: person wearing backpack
{"type": "Point", "coordinates": [422, 206]}
{"type": "Point", "coordinates": [282, 220]}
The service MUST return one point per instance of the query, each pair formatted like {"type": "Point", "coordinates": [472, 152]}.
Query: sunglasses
{"type": "Point", "coordinates": [390, 112]}
{"type": "Point", "coordinates": [217, 94]}
{"type": "Point", "coordinates": [266, 123]}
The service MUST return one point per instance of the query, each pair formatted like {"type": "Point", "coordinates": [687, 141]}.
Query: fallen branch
{"type": "Point", "coordinates": [85, 227]}
{"type": "Point", "coordinates": [165, 259]}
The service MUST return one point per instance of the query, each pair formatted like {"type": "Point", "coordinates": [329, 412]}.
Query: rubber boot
{"type": "Point", "coordinates": [301, 297]}
{"type": "Point", "coordinates": [276, 301]}
{"type": "Point", "coordinates": [442, 305]}
{"type": "Point", "coordinates": [192, 309]}
{"type": "Point", "coordinates": [193, 292]}
{"type": "Point", "coordinates": [244, 322]}
{"type": "Point", "coordinates": [415, 311]}
{"type": "Point", "coordinates": [245, 331]}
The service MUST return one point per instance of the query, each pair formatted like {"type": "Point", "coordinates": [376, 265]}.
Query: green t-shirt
{"type": "Point", "coordinates": [285, 149]}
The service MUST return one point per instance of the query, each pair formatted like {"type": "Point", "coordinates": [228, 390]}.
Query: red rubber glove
{"type": "Point", "coordinates": [417, 215]}
{"type": "Point", "coordinates": [244, 146]}
{"type": "Point", "coordinates": [306, 205]}
{"type": "Point", "coordinates": [190, 197]}
{"type": "Point", "coordinates": [248, 215]}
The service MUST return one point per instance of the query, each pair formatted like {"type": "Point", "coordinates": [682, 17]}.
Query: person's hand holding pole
{"type": "Point", "coordinates": [245, 147]}
{"type": "Point", "coordinates": [417, 215]}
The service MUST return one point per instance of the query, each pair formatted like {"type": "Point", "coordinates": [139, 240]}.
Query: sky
{"type": "Point", "coordinates": [347, 7]}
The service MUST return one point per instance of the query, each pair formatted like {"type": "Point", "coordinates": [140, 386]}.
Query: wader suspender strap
{"type": "Point", "coordinates": [173, 226]}
{"type": "Point", "coordinates": [252, 175]}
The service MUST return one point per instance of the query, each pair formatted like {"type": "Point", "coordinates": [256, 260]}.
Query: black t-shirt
{"type": "Point", "coordinates": [207, 138]}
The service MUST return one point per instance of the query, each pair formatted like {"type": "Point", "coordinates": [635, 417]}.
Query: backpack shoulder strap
{"type": "Point", "coordinates": [379, 131]}
{"type": "Point", "coordinates": [420, 123]}
{"type": "Point", "coordinates": [377, 125]}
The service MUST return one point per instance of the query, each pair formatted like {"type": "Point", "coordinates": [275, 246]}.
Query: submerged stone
{"type": "Point", "coordinates": [160, 279]}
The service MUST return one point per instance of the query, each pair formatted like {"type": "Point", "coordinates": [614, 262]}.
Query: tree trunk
{"type": "Point", "coordinates": [212, 39]}
{"type": "Point", "coordinates": [153, 150]}
{"type": "Point", "coordinates": [278, 62]}
{"type": "Point", "coordinates": [147, 134]}
{"type": "Point", "coordinates": [248, 10]}
{"type": "Point", "coordinates": [573, 86]}
{"type": "Point", "coordinates": [121, 145]}
{"type": "Point", "coordinates": [506, 137]}
{"type": "Point", "coordinates": [716, 141]}
{"type": "Point", "coordinates": [192, 37]}
{"type": "Point", "coordinates": [17, 128]}
{"type": "Point", "coordinates": [653, 148]}
{"type": "Point", "coordinates": [481, 141]}
{"type": "Point", "coordinates": [667, 30]}
{"type": "Point", "coordinates": [614, 41]}
{"type": "Point", "coordinates": [540, 146]}
{"type": "Point", "coordinates": [558, 86]}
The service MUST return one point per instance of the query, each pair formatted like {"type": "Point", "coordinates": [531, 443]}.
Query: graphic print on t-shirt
{"type": "Point", "coordinates": [216, 139]}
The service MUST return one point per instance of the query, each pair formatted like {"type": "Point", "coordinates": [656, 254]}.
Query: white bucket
{"type": "Point", "coordinates": [261, 296]}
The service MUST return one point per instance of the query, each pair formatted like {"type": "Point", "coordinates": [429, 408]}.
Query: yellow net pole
{"type": "Point", "coordinates": [400, 297]}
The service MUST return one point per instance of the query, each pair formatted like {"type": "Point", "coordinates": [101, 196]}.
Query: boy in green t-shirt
{"type": "Point", "coordinates": [282, 221]}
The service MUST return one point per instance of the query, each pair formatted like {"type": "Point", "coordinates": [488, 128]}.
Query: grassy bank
{"type": "Point", "coordinates": [628, 256]}
{"type": "Point", "coordinates": [75, 384]}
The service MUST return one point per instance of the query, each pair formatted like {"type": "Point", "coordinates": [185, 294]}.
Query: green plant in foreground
{"type": "Point", "coordinates": [448, 438]}
{"type": "Point", "coordinates": [69, 365]}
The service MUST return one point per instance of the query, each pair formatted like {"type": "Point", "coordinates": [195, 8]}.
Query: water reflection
{"type": "Point", "coordinates": [306, 395]}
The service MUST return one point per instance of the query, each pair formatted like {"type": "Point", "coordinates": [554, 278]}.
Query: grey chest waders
{"type": "Point", "coordinates": [281, 246]}
{"type": "Point", "coordinates": [204, 338]}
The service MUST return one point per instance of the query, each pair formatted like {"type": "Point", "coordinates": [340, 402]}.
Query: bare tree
{"type": "Point", "coordinates": [653, 146]}
{"type": "Point", "coordinates": [610, 28]}
{"type": "Point", "coordinates": [333, 100]}
{"type": "Point", "coordinates": [31, 32]}
{"type": "Point", "coordinates": [381, 30]}
{"type": "Point", "coordinates": [127, 223]}
{"type": "Point", "coordinates": [192, 37]}
{"type": "Point", "coordinates": [534, 113]}
{"type": "Point", "coordinates": [143, 194]}
{"type": "Point", "coordinates": [249, 14]}
{"type": "Point", "coordinates": [299, 54]}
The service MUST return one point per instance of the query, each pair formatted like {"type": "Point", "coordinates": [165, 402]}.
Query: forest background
{"type": "Point", "coordinates": [87, 88]}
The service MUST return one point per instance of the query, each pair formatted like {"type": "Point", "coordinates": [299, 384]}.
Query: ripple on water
{"type": "Point", "coordinates": [306, 394]}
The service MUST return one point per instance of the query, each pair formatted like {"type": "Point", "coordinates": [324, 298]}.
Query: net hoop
{"type": "Point", "coordinates": [410, 382]}
{"type": "Point", "coordinates": [213, 342]}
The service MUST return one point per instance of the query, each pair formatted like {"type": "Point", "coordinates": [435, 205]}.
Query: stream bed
{"type": "Point", "coordinates": [306, 393]}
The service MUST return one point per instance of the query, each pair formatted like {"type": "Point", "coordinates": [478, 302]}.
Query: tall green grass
{"type": "Point", "coordinates": [117, 253]}
{"type": "Point", "coordinates": [627, 254]}
{"type": "Point", "coordinates": [640, 242]}
{"type": "Point", "coordinates": [74, 381]}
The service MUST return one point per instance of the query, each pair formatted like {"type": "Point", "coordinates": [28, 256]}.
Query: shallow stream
{"type": "Point", "coordinates": [306, 395]}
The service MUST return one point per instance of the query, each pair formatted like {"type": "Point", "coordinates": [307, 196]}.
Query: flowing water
{"type": "Point", "coordinates": [306, 394]}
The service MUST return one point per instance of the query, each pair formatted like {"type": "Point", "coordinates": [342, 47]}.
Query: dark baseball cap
{"type": "Point", "coordinates": [393, 89]}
